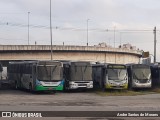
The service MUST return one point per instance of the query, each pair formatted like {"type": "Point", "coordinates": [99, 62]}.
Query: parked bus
{"type": "Point", "coordinates": [139, 76]}
{"type": "Point", "coordinates": [1, 70]}
{"type": "Point", "coordinates": [155, 73]}
{"type": "Point", "coordinates": [78, 75]}
{"type": "Point", "coordinates": [36, 75]}
{"type": "Point", "coordinates": [110, 76]}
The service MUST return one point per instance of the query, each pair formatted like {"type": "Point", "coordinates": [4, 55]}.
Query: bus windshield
{"type": "Point", "coordinates": [81, 73]}
{"type": "Point", "coordinates": [117, 74]}
{"type": "Point", "coordinates": [49, 72]}
{"type": "Point", "coordinates": [141, 73]}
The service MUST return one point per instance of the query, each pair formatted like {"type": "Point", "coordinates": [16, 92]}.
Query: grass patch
{"type": "Point", "coordinates": [119, 93]}
{"type": "Point", "coordinates": [156, 90]}
{"type": "Point", "coordinates": [127, 92]}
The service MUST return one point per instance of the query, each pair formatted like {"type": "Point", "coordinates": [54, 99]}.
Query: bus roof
{"type": "Point", "coordinates": [107, 64]}
{"type": "Point", "coordinates": [40, 62]}
{"type": "Point", "coordinates": [138, 65]}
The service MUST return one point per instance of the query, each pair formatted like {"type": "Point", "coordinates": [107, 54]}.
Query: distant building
{"type": "Point", "coordinates": [103, 44]}
{"type": "Point", "coordinates": [128, 46]}
{"type": "Point", "coordinates": [146, 61]}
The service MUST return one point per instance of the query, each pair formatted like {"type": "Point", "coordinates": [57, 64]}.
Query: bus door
{"type": "Point", "coordinates": [34, 75]}
{"type": "Point", "coordinates": [104, 76]}
{"type": "Point", "coordinates": [66, 75]}
{"type": "Point", "coordinates": [101, 76]}
{"type": "Point", "coordinates": [130, 77]}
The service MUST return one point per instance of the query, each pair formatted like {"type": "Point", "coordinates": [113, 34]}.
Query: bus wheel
{"type": "Point", "coordinates": [54, 91]}
{"type": "Point", "coordinates": [30, 87]}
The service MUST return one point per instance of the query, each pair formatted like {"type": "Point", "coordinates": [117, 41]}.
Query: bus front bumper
{"type": "Point", "coordinates": [48, 88]}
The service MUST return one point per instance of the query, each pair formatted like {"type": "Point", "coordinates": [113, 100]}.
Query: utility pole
{"type": "Point", "coordinates": [155, 41]}
{"type": "Point", "coordinates": [114, 36]}
{"type": "Point", "coordinates": [51, 28]}
{"type": "Point", "coordinates": [87, 31]}
{"type": "Point", "coordinates": [28, 27]}
{"type": "Point", "coordinates": [115, 41]}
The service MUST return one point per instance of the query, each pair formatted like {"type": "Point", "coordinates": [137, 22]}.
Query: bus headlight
{"type": "Point", "coordinates": [38, 82]}
{"type": "Point", "coordinates": [148, 81]}
{"type": "Point", "coordinates": [90, 86]}
{"type": "Point", "coordinates": [114, 84]}
{"type": "Point", "coordinates": [73, 85]}
{"type": "Point", "coordinates": [61, 83]}
{"type": "Point", "coordinates": [136, 81]}
{"type": "Point", "coordinates": [125, 81]}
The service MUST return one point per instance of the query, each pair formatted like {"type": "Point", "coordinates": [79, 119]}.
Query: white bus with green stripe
{"type": "Point", "coordinates": [36, 75]}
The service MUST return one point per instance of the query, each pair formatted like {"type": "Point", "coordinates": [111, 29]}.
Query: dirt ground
{"type": "Point", "coordinates": [18, 100]}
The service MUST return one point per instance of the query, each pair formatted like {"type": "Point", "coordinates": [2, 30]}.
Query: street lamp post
{"type": "Point", "coordinates": [28, 27]}
{"type": "Point", "coordinates": [51, 28]}
{"type": "Point", "coordinates": [87, 31]}
{"type": "Point", "coordinates": [120, 38]}
{"type": "Point", "coordinates": [155, 43]}
{"type": "Point", "coordinates": [115, 41]}
{"type": "Point", "coordinates": [114, 35]}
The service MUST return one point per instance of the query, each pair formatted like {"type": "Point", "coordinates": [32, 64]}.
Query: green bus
{"type": "Point", "coordinates": [36, 75]}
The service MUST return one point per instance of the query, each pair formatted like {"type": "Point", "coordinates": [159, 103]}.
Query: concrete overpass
{"type": "Point", "coordinates": [60, 52]}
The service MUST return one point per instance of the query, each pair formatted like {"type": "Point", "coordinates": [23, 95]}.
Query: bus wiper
{"type": "Point", "coordinates": [46, 70]}
{"type": "Point", "coordinates": [119, 74]}
{"type": "Point", "coordinates": [53, 69]}
{"type": "Point", "coordinates": [75, 68]}
{"type": "Point", "coordinates": [85, 68]}
{"type": "Point", "coordinates": [135, 76]}
{"type": "Point", "coordinates": [144, 76]}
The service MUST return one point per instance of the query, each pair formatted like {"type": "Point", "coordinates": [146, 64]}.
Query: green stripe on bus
{"type": "Point", "coordinates": [42, 88]}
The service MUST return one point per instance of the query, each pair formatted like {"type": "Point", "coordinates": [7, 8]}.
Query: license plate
{"type": "Point", "coordinates": [50, 88]}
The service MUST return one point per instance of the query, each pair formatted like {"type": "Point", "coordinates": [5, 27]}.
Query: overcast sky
{"type": "Point", "coordinates": [132, 20]}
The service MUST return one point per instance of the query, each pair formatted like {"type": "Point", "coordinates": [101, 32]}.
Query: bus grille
{"type": "Point", "coordinates": [82, 85]}
{"type": "Point", "coordinates": [142, 81]}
